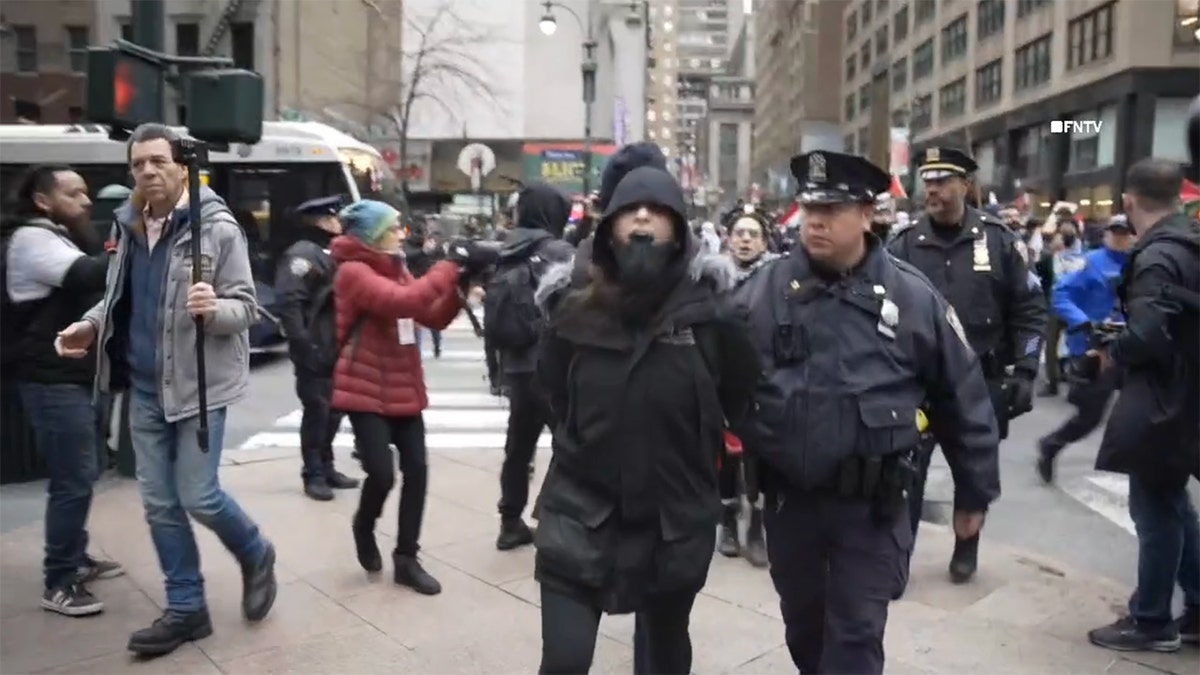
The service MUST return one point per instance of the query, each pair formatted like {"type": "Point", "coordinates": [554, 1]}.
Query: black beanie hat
{"type": "Point", "coordinates": [624, 160]}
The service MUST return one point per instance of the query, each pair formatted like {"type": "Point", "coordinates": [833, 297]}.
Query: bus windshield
{"type": "Point", "coordinates": [373, 177]}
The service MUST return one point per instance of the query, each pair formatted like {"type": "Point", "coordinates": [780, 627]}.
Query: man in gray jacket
{"type": "Point", "coordinates": [146, 337]}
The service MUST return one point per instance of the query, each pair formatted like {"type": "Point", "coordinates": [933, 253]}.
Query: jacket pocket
{"type": "Point", "coordinates": [887, 427]}
{"type": "Point", "coordinates": [576, 536]}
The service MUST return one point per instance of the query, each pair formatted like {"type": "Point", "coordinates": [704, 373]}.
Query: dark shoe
{"type": "Point", "coordinates": [259, 586]}
{"type": "Point", "coordinates": [514, 533]}
{"type": "Point", "coordinates": [965, 559]}
{"type": "Point", "coordinates": [96, 568]}
{"type": "Point", "coordinates": [727, 536]}
{"type": "Point", "coordinates": [410, 573]}
{"type": "Point", "coordinates": [1189, 625]}
{"type": "Point", "coordinates": [755, 550]}
{"type": "Point", "coordinates": [1045, 462]}
{"type": "Point", "coordinates": [365, 547]}
{"type": "Point", "coordinates": [1125, 635]}
{"type": "Point", "coordinates": [318, 489]}
{"type": "Point", "coordinates": [73, 599]}
{"type": "Point", "coordinates": [495, 389]}
{"type": "Point", "coordinates": [340, 481]}
{"type": "Point", "coordinates": [170, 631]}
{"type": "Point", "coordinates": [1048, 390]}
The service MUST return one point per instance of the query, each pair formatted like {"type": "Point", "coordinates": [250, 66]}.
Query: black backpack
{"type": "Point", "coordinates": [512, 320]}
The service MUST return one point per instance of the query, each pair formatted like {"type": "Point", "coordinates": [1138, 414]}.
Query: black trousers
{"type": "Point", "coordinates": [319, 425]}
{"type": "Point", "coordinates": [374, 435]}
{"type": "Point", "coordinates": [492, 358]}
{"type": "Point", "coordinates": [662, 645]}
{"type": "Point", "coordinates": [527, 417]}
{"type": "Point", "coordinates": [1090, 400]}
{"type": "Point", "coordinates": [836, 570]}
{"type": "Point", "coordinates": [737, 477]}
{"type": "Point", "coordinates": [916, 494]}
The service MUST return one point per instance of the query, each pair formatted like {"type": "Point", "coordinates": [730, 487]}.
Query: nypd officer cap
{"type": "Point", "coordinates": [939, 163]}
{"type": "Point", "coordinates": [835, 178]}
{"type": "Point", "coordinates": [322, 206]}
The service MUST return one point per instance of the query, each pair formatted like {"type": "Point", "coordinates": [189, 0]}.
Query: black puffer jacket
{"type": "Point", "coordinates": [629, 507]}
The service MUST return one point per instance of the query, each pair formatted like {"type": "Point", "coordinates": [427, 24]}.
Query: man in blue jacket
{"type": "Point", "coordinates": [1083, 300]}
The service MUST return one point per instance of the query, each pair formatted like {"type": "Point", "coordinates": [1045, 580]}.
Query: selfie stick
{"type": "Point", "coordinates": [191, 155]}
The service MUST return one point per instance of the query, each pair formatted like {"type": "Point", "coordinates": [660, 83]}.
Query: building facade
{"type": "Point", "coordinates": [727, 137]}
{"type": "Point", "coordinates": [798, 46]}
{"type": "Point", "coordinates": [992, 76]}
{"type": "Point", "coordinates": [43, 59]}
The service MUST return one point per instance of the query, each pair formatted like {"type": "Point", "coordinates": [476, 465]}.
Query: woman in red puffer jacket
{"type": "Point", "coordinates": [378, 380]}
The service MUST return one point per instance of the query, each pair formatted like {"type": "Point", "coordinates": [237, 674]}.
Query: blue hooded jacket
{"type": "Point", "coordinates": [1089, 295]}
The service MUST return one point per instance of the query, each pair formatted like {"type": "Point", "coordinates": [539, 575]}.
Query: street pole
{"type": "Point", "coordinates": [148, 23]}
{"type": "Point", "coordinates": [589, 97]}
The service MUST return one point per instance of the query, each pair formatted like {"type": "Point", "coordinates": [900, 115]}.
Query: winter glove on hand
{"type": "Point", "coordinates": [470, 256]}
{"type": "Point", "coordinates": [1020, 396]}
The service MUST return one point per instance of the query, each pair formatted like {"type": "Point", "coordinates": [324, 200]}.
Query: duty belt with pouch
{"type": "Point", "coordinates": [883, 480]}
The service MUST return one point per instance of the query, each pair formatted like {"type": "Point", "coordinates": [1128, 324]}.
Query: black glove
{"type": "Point", "coordinates": [1020, 396]}
{"type": "Point", "coordinates": [470, 256]}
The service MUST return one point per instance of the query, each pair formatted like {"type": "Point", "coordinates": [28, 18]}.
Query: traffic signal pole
{"type": "Point", "coordinates": [149, 21]}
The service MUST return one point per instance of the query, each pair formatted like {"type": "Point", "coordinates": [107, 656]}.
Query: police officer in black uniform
{"type": "Point", "coordinates": [304, 284]}
{"type": "Point", "coordinates": [853, 341]}
{"type": "Point", "coordinates": [979, 265]}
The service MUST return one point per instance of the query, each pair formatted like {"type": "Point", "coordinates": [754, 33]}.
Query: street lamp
{"type": "Point", "coordinates": [548, 25]}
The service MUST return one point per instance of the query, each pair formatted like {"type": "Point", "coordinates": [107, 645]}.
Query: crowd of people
{"type": "Point", "coordinates": [800, 373]}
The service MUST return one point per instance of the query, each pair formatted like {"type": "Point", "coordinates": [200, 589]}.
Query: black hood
{"type": "Point", "coordinates": [520, 242]}
{"type": "Point", "coordinates": [543, 207]}
{"type": "Point", "coordinates": [644, 185]}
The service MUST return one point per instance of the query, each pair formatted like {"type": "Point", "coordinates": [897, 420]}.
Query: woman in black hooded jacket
{"type": "Point", "coordinates": [642, 367]}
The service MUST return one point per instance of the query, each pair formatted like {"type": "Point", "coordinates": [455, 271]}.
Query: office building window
{"type": "Point", "coordinates": [864, 140]}
{"type": "Point", "coordinates": [848, 144]}
{"type": "Point", "coordinates": [866, 14]}
{"type": "Point", "coordinates": [77, 44]}
{"type": "Point", "coordinates": [900, 25]}
{"type": "Point", "coordinates": [851, 25]}
{"type": "Point", "coordinates": [851, 67]}
{"type": "Point", "coordinates": [864, 97]}
{"type": "Point", "coordinates": [989, 83]}
{"type": "Point", "coordinates": [27, 51]}
{"type": "Point", "coordinates": [925, 11]}
{"type": "Point", "coordinates": [881, 41]}
{"type": "Point", "coordinates": [1031, 64]}
{"type": "Point", "coordinates": [241, 40]}
{"type": "Point", "coordinates": [952, 99]}
{"type": "Point", "coordinates": [127, 31]}
{"type": "Point", "coordinates": [921, 116]}
{"type": "Point", "coordinates": [1089, 37]}
{"type": "Point", "coordinates": [1027, 7]}
{"type": "Point", "coordinates": [1187, 22]}
{"type": "Point", "coordinates": [899, 117]}
{"type": "Point", "coordinates": [954, 39]}
{"type": "Point", "coordinates": [900, 74]}
{"type": "Point", "coordinates": [922, 60]}
{"type": "Point", "coordinates": [864, 55]}
{"type": "Point", "coordinates": [851, 111]}
{"type": "Point", "coordinates": [187, 38]}
{"type": "Point", "coordinates": [989, 20]}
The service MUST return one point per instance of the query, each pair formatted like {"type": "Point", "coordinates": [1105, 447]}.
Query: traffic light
{"type": "Point", "coordinates": [123, 90]}
{"type": "Point", "coordinates": [224, 105]}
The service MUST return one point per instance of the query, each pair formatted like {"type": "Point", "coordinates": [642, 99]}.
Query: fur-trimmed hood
{"type": "Point", "coordinates": [718, 271]}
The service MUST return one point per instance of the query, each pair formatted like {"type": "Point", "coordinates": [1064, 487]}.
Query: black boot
{"type": "Point", "coordinates": [727, 535]}
{"type": "Point", "coordinates": [514, 533]}
{"type": "Point", "coordinates": [364, 545]}
{"type": "Point", "coordinates": [965, 559]}
{"type": "Point", "coordinates": [755, 551]}
{"type": "Point", "coordinates": [1047, 452]}
{"type": "Point", "coordinates": [259, 586]}
{"type": "Point", "coordinates": [170, 631]}
{"type": "Point", "coordinates": [340, 481]}
{"type": "Point", "coordinates": [410, 573]}
{"type": "Point", "coordinates": [318, 489]}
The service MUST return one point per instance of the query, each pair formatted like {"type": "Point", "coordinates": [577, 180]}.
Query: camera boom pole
{"type": "Point", "coordinates": [190, 155]}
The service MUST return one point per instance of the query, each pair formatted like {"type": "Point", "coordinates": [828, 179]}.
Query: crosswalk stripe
{"type": "Point", "coordinates": [491, 440]}
{"type": "Point", "coordinates": [1106, 494]}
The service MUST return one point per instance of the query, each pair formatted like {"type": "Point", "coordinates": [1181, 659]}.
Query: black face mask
{"type": "Point", "coordinates": [641, 262]}
{"type": "Point", "coordinates": [1069, 239]}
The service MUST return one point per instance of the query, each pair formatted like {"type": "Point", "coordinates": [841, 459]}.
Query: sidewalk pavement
{"type": "Point", "coordinates": [1023, 614]}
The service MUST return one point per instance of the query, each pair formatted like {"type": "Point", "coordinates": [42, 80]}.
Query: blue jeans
{"type": "Point", "coordinates": [1168, 536]}
{"type": "Point", "coordinates": [176, 480]}
{"type": "Point", "coordinates": [64, 428]}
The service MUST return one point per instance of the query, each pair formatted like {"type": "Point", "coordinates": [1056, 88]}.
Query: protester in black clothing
{"type": "Point", "coordinates": [513, 323]}
{"type": "Point", "coordinates": [47, 283]}
{"type": "Point", "coordinates": [304, 284]}
{"type": "Point", "coordinates": [421, 250]}
{"type": "Point", "coordinates": [1152, 433]}
{"type": "Point", "coordinates": [641, 368]}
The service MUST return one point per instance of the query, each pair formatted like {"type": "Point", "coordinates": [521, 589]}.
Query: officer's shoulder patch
{"type": "Point", "coordinates": [299, 266]}
{"type": "Point", "coordinates": [956, 325]}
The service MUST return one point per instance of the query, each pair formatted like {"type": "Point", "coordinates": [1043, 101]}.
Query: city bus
{"type": "Point", "coordinates": [262, 183]}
